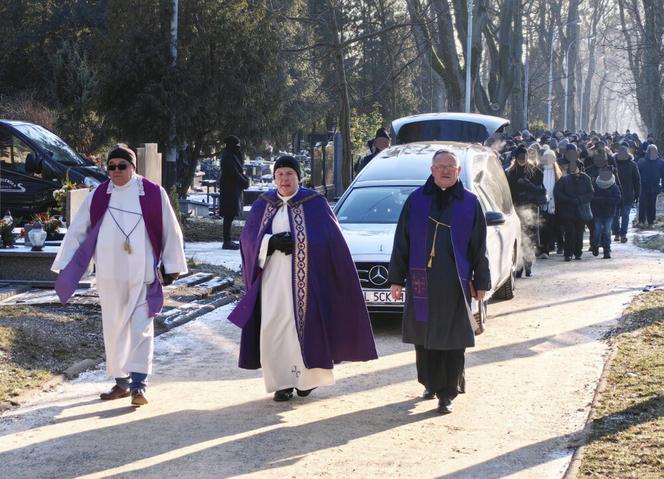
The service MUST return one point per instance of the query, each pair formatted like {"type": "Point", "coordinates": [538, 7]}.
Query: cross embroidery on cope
{"type": "Point", "coordinates": [418, 282]}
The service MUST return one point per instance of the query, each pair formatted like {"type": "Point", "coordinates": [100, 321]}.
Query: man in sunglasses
{"type": "Point", "coordinates": [128, 227]}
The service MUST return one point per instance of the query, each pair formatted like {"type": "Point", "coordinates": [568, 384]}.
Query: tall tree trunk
{"type": "Point", "coordinates": [517, 115]}
{"type": "Point", "coordinates": [344, 107]}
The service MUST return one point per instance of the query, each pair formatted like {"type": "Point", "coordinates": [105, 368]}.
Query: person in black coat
{"type": "Point", "coordinates": [604, 205]}
{"type": "Point", "coordinates": [380, 143]}
{"type": "Point", "coordinates": [630, 181]}
{"type": "Point", "coordinates": [232, 183]}
{"type": "Point", "coordinates": [651, 169]}
{"type": "Point", "coordinates": [527, 189]}
{"type": "Point", "coordinates": [571, 191]}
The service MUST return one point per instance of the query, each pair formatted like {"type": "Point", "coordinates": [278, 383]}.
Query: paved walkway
{"type": "Point", "coordinates": [530, 383]}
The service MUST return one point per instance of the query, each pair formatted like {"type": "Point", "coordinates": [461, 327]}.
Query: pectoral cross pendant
{"type": "Point", "coordinates": [127, 247]}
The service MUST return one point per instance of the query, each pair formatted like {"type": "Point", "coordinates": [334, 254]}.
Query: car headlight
{"type": "Point", "coordinates": [90, 182]}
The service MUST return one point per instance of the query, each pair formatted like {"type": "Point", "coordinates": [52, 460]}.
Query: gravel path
{"type": "Point", "coordinates": [530, 382]}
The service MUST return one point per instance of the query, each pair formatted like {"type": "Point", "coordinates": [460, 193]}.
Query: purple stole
{"type": "Point", "coordinates": [463, 214]}
{"type": "Point", "coordinates": [68, 279]}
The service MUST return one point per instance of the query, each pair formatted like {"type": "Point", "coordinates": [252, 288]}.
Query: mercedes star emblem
{"type": "Point", "coordinates": [378, 275]}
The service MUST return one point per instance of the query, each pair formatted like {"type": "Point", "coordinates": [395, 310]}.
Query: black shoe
{"type": "Point", "coordinates": [529, 272]}
{"type": "Point", "coordinates": [428, 394]}
{"type": "Point", "coordinates": [519, 272]}
{"type": "Point", "coordinates": [623, 239]}
{"type": "Point", "coordinates": [444, 405]}
{"type": "Point", "coordinates": [578, 256]}
{"type": "Point", "coordinates": [230, 245]}
{"type": "Point", "coordinates": [616, 238]}
{"type": "Point", "coordinates": [304, 393]}
{"type": "Point", "coordinates": [607, 255]}
{"type": "Point", "coordinates": [595, 251]}
{"type": "Point", "coordinates": [283, 395]}
{"type": "Point", "coordinates": [568, 258]}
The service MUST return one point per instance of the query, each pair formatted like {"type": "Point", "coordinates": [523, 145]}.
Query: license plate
{"type": "Point", "coordinates": [381, 296]}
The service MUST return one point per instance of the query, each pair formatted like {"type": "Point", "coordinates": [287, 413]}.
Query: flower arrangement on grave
{"type": "Point", "coordinates": [49, 223]}
{"type": "Point", "coordinates": [60, 195]}
{"type": "Point", "coordinates": [7, 232]}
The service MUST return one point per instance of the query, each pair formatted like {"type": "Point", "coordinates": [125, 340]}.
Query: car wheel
{"type": "Point", "coordinates": [506, 290]}
{"type": "Point", "coordinates": [480, 317]}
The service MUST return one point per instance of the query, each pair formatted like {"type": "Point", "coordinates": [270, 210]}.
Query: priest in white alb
{"type": "Point", "coordinates": [128, 227]}
{"type": "Point", "coordinates": [303, 310]}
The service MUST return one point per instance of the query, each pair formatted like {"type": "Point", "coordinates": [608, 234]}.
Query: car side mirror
{"type": "Point", "coordinates": [494, 218]}
{"type": "Point", "coordinates": [33, 164]}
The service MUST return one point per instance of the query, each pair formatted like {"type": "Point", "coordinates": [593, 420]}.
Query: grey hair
{"type": "Point", "coordinates": [446, 152]}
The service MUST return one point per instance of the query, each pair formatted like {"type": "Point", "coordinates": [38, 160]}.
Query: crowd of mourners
{"type": "Point", "coordinates": [563, 182]}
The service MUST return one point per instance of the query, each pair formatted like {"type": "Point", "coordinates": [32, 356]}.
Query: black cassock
{"type": "Point", "coordinates": [441, 340]}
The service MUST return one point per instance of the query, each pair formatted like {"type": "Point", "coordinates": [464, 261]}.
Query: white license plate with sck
{"type": "Point", "coordinates": [380, 296]}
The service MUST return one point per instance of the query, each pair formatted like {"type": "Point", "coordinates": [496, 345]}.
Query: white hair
{"type": "Point", "coordinates": [457, 162]}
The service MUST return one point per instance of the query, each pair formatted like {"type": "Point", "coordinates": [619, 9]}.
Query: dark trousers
{"type": "Point", "coordinates": [573, 237]}
{"type": "Point", "coordinates": [647, 204]}
{"type": "Point", "coordinates": [560, 234]}
{"type": "Point", "coordinates": [591, 232]}
{"type": "Point", "coordinates": [548, 233]}
{"type": "Point", "coordinates": [440, 371]}
{"type": "Point", "coordinates": [621, 220]}
{"type": "Point", "coordinates": [228, 224]}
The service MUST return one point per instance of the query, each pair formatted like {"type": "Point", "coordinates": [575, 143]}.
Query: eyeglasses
{"type": "Point", "coordinates": [121, 167]}
{"type": "Point", "coordinates": [445, 167]}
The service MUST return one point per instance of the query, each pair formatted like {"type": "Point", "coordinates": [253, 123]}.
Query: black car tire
{"type": "Point", "coordinates": [506, 290]}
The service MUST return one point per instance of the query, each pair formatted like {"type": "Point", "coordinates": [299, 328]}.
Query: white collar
{"type": "Point", "coordinates": [134, 179]}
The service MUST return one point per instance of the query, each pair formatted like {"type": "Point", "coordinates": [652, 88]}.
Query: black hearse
{"type": "Point", "coordinates": [34, 162]}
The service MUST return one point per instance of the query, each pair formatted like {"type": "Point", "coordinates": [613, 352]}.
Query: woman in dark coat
{"type": "Point", "coordinates": [571, 191]}
{"type": "Point", "coordinates": [527, 188]}
{"type": "Point", "coordinates": [232, 184]}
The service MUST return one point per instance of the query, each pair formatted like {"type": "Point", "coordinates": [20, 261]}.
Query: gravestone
{"type": "Point", "coordinates": [75, 199]}
{"type": "Point", "coordinates": [148, 162]}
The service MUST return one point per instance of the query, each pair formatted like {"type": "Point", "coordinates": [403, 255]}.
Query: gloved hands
{"type": "Point", "coordinates": [167, 278]}
{"type": "Point", "coordinates": [280, 242]}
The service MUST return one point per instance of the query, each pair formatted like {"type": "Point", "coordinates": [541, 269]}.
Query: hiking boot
{"type": "Point", "coordinates": [616, 238]}
{"type": "Point", "coordinates": [116, 392]}
{"type": "Point", "coordinates": [138, 398]}
{"type": "Point", "coordinates": [623, 239]}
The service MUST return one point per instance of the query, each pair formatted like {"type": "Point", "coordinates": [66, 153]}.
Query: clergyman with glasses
{"type": "Point", "coordinates": [128, 227]}
{"type": "Point", "coordinates": [439, 256]}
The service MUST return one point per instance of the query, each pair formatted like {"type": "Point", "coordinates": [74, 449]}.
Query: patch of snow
{"type": "Point", "coordinates": [211, 252]}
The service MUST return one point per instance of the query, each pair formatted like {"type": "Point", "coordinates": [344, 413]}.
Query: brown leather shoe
{"type": "Point", "coordinates": [116, 392]}
{"type": "Point", "coordinates": [138, 399]}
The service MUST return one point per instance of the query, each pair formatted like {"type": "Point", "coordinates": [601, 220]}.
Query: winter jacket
{"type": "Point", "coordinates": [630, 180]}
{"type": "Point", "coordinates": [652, 175]}
{"type": "Point", "coordinates": [571, 191]}
{"type": "Point", "coordinates": [526, 185]}
{"type": "Point", "coordinates": [605, 201]}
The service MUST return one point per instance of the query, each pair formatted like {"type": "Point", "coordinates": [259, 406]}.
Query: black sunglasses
{"type": "Point", "coordinates": [121, 167]}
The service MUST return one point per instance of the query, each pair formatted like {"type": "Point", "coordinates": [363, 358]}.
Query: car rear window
{"type": "Point", "coordinates": [376, 204]}
{"type": "Point", "coordinates": [442, 130]}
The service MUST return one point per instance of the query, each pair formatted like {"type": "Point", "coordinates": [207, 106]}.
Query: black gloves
{"type": "Point", "coordinates": [167, 278]}
{"type": "Point", "coordinates": [280, 242]}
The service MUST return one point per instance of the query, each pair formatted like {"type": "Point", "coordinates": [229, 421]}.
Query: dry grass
{"type": "Point", "coordinates": [628, 425]}
{"type": "Point", "coordinates": [37, 342]}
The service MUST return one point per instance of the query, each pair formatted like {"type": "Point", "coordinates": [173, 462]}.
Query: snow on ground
{"type": "Point", "coordinates": [211, 252]}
